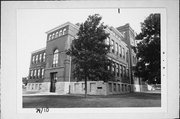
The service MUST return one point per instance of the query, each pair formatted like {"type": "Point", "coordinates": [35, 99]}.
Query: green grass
{"type": "Point", "coordinates": [76, 101]}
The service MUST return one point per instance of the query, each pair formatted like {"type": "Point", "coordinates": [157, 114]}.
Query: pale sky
{"type": "Point", "coordinates": [33, 23]}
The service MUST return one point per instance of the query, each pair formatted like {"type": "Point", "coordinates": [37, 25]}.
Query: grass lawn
{"type": "Point", "coordinates": [74, 101]}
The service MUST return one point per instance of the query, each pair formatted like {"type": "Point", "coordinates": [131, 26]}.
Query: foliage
{"type": "Point", "coordinates": [89, 51]}
{"type": "Point", "coordinates": [148, 50]}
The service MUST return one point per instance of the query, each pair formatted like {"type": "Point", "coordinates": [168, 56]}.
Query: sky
{"type": "Point", "coordinates": [33, 23]}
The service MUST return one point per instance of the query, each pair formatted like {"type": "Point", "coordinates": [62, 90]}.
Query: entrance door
{"type": "Point", "coordinates": [53, 81]}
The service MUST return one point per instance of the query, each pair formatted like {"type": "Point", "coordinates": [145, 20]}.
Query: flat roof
{"type": "Point", "coordinates": [62, 25]}
{"type": "Point", "coordinates": [38, 50]}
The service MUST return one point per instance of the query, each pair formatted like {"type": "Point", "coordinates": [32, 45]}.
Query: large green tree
{"type": "Point", "coordinates": [89, 52]}
{"type": "Point", "coordinates": [148, 50]}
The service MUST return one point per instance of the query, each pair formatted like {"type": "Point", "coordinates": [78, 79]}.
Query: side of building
{"type": "Point", "coordinates": [51, 69]}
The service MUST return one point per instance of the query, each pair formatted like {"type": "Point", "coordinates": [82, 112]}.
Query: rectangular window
{"type": "Point", "coordinates": [33, 59]}
{"type": "Point", "coordinates": [114, 87]}
{"type": "Point", "coordinates": [40, 57]}
{"type": "Point", "coordinates": [127, 56]}
{"type": "Point", "coordinates": [119, 88]}
{"type": "Point", "coordinates": [121, 69]}
{"type": "Point", "coordinates": [110, 87]}
{"type": "Point", "coordinates": [44, 56]}
{"type": "Point", "coordinates": [53, 35]}
{"type": "Point", "coordinates": [42, 72]}
{"type": "Point", "coordinates": [107, 41]}
{"type": "Point", "coordinates": [127, 72]}
{"type": "Point", "coordinates": [117, 70]}
{"type": "Point", "coordinates": [31, 73]}
{"type": "Point", "coordinates": [56, 34]}
{"type": "Point", "coordinates": [112, 45]}
{"type": "Point", "coordinates": [35, 73]}
{"type": "Point", "coordinates": [37, 58]}
{"type": "Point", "coordinates": [123, 53]}
{"type": "Point", "coordinates": [120, 51]}
{"type": "Point", "coordinates": [38, 72]}
{"type": "Point", "coordinates": [116, 48]}
{"type": "Point", "coordinates": [50, 37]}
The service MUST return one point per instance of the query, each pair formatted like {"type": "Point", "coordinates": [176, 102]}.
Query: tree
{"type": "Point", "coordinates": [148, 50]}
{"type": "Point", "coordinates": [89, 52]}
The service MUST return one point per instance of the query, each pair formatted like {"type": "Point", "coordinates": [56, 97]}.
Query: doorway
{"type": "Point", "coordinates": [53, 77]}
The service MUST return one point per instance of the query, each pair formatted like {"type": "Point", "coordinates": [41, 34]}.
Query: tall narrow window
{"type": "Point", "coordinates": [44, 56]}
{"type": "Point", "coordinates": [127, 56]}
{"type": "Point", "coordinates": [120, 51]}
{"type": "Point", "coordinates": [55, 58]}
{"type": "Point", "coordinates": [36, 58]}
{"type": "Point", "coordinates": [40, 57]}
{"type": "Point", "coordinates": [117, 70]}
{"type": "Point", "coordinates": [53, 36]}
{"type": "Point", "coordinates": [116, 48]}
{"type": "Point", "coordinates": [31, 74]}
{"type": "Point", "coordinates": [123, 53]}
{"type": "Point", "coordinates": [33, 60]}
{"type": "Point", "coordinates": [38, 72]}
{"type": "Point", "coordinates": [112, 45]}
{"type": "Point", "coordinates": [42, 72]}
{"type": "Point", "coordinates": [107, 41]}
{"type": "Point", "coordinates": [64, 31]}
{"type": "Point", "coordinates": [50, 37]}
{"type": "Point", "coordinates": [60, 33]}
{"type": "Point", "coordinates": [56, 34]}
{"type": "Point", "coordinates": [35, 73]}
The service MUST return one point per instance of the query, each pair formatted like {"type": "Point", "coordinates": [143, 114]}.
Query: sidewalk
{"type": "Point", "coordinates": [40, 93]}
{"type": "Point", "coordinates": [152, 91]}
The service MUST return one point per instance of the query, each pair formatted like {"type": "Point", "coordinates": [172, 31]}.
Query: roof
{"type": "Point", "coordinates": [38, 50]}
{"type": "Point", "coordinates": [62, 25]}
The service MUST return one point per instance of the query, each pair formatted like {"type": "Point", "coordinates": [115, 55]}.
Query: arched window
{"type": "Point", "coordinates": [50, 37]}
{"type": "Point", "coordinates": [60, 33]}
{"type": "Point", "coordinates": [56, 34]}
{"type": "Point", "coordinates": [55, 58]}
{"type": "Point", "coordinates": [44, 56]}
{"type": "Point", "coordinates": [64, 31]}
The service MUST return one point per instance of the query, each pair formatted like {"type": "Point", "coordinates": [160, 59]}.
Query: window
{"type": "Point", "coordinates": [35, 73]}
{"type": "Point", "coordinates": [121, 70]}
{"type": "Point", "coordinates": [127, 57]}
{"type": "Point", "coordinates": [107, 41]}
{"type": "Point", "coordinates": [36, 58]}
{"type": "Point", "coordinates": [31, 73]}
{"type": "Point", "coordinates": [60, 33]}
{"type": "Point", "coordinates": [64, 30]}
{"type": "Point", "coordinates": [117, 70]}
{"type": "Point", "coordinates": [42, 72]}
{"type": "Point", "coordinates": [116, 48]}
{"type": "Point", "coordinates": [55, 58]}
{"type": "Point", "coordinates": [38, 72]}
{"type": "Point", "coordinates": [56, 34]}
{"type": "Point", "coordinates": [123, 53]}
{"type": "Point", "coordinates": [44, 56]}
{"type": "Point", "coordinates": [40, 57]}
{"type": "Point", "coordinates": [33, 60]}
{"type": "Point", "coordinates": [53, 36]}
{"type": "Point", "coordinates": [127, 72]}
{"type": "Point", "coordinates": [124, 71]}
{"type": "Point", "coordinates": [50, 37]}
{"type": "Point", "coordinates": [112, 45]}
{"type": "Point", "coordinates": [120, 53]}
{"type": "Point", "coordinates": [114, 87]}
